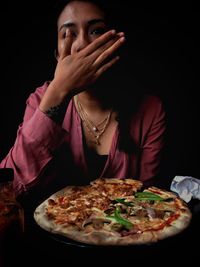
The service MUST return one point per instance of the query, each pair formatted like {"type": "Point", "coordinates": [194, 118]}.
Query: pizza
{"type": "Point", "coordinates": [112, 211]}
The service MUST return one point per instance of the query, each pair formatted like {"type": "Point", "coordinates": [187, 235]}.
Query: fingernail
{"type": "Point", "coordinates": [121, 33]}
{"type": "Point", "coordinates": [113, 31]}
{"type": "Point", "coordinates": [67, 32]}
{"type": "Point", "coordinates": [122, 39]}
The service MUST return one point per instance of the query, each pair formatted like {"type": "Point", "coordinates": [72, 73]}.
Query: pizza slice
{"type": "Point", "coordinates": [113, 188]}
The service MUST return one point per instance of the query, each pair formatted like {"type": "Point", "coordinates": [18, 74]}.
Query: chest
{"type": "Point", "coordinates": [102, 140]}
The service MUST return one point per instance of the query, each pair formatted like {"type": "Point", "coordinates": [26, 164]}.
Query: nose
{"type": "Point", "coordinates": [81, 42]}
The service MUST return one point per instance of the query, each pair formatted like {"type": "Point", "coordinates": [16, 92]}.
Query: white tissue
{"type": "Point", "coordinates": [186, 187]}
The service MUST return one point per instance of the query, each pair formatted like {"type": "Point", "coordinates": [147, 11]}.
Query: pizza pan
{"type": "Point", "coordinates": [69, 242]}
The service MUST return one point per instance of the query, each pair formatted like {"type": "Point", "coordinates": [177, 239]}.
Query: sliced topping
{"type": "Point", "coordinates": [123, 201]}
{"type": "Point", "coordinates": [160, 213]}
{"type": "Point", "coordinates": [119, 219]}
{"type": "Point", "coordinates": [133, 231]}
{"type": "Point", "coordinates": [97, 223]}
{"type": "Point", "coordinates": [163, 193]}
{"type": "Point", "coordinates": [140, 212]}
{"type": "Point", "coordinates": [148, 196]}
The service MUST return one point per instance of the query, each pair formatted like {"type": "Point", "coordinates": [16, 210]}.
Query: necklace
{"type": "Point", "coordinates": [94, 130]}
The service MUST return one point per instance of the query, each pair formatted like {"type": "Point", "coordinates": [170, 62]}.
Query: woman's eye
{"type": "Point", "coordinates": [73, 34]}
{"type": "Point", "coordinates": [98, 31]}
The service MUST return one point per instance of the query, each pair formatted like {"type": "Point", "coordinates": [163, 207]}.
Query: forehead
{"type": "Point", "coordinates": [77, 11]}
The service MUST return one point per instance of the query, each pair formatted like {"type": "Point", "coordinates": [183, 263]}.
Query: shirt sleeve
{"type": "Point", "coordinates": [153, 141]}
{"type": "Point", "coordinates": [37, 139]}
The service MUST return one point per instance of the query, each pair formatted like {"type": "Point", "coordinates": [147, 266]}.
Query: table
{"type": "Point", "coordinates": [37, 246]}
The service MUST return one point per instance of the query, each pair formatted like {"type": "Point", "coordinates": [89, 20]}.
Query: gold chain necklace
{"type": "Point", "coordinates": [94, 130]}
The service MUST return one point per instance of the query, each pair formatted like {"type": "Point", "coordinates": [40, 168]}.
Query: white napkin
{"type": "Point", "coordinates": [187, 187]}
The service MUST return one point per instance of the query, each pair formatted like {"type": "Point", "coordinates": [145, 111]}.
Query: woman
{"type": "Point", "coordinates": [76, 128]}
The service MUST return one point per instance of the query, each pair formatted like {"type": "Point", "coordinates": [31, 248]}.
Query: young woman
{"type": "Point", "coordinates": [80, 126]}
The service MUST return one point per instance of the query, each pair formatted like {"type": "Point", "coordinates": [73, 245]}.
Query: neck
{"type": "Point", "coordinates": [92, 103]}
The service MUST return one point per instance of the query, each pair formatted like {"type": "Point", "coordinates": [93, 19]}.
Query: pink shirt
{"type": "Point", "coordinates": [44, 151]}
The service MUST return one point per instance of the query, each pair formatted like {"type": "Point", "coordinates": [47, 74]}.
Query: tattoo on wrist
{"type": "Point", "coordinates": [57, 113]}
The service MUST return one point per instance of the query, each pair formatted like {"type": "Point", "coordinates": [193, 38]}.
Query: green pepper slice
{"type": "Point", "coordinates": [148, 196]}
{"type": "Point", "coordinates": [122, 201]}
{"type": "Point", "coordinates": [117, 217]}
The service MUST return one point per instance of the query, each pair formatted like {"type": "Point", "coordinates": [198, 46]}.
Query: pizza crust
{"type": "Point", "coordinates": [103, 238]}
{"type": "Point", "coordinates": [174, 229]}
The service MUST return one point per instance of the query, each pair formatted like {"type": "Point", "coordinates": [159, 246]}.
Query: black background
{"type": "Point", "coordinates": [162, 54]}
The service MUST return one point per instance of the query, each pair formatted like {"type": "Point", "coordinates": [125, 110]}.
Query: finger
{"type": "Point", "coordinates": [104, 38]}
{"type": "Point", "coordinates": [66, 49]}
{"type": "Point", "coordinates": [108, 52]}
{"type": "Point", "coordinates": [109, 64]}
{"type": "Point", "coordinates": [106, 46]}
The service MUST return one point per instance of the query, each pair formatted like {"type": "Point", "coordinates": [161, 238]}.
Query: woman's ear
{"type": "Point", "coordinates": [56, 55]}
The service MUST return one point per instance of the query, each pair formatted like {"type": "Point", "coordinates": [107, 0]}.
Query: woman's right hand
{"type": "Point", "coordinates": [79, 69]}
{"type": "Point", "coordinates": [75, 71]}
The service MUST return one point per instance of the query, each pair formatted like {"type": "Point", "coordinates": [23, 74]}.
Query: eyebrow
{"type": "Point", "coordinates": [69, 24]}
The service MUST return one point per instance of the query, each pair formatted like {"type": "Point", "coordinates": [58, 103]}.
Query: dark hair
{"type": "Point", "coordinates": [112, 9]}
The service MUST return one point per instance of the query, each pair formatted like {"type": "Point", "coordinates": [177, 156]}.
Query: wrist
{"type": "Point", "coordinates": [60, 88]}
{"type": "Point", "coordinates": [54, 102]}
{"type": "Point", "coordinates": [57, 113]}
{"type": "Point", "coordinates": [54, 96]}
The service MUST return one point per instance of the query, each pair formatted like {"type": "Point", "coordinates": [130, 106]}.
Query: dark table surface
{"type": "Point", "coordinates": [37, 247]}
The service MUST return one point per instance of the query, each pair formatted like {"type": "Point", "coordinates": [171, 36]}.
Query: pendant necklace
{"type": "Point", "coordinates": [94, 130]}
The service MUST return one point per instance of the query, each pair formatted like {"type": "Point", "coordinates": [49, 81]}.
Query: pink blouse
{"type": "Point", "coordinates": [45, 151]}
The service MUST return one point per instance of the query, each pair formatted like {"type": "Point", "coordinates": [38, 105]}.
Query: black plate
{"type": "Point", "coordinates": [70, 242]}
